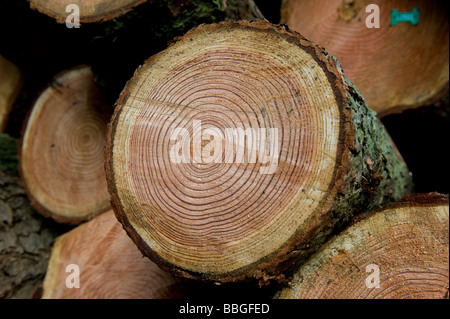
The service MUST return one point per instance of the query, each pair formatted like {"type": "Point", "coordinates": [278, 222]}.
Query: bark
{"type": "Point", "coordinates": [25, 241]}
{"type": "Point", "coordinates": [406, 245]}
{"type": "Point", "coordinates": [381, 61]}
{"type": "Point", "coordinates": [62, 148]}
{"type": "Point", "coordinates": [228, 221]}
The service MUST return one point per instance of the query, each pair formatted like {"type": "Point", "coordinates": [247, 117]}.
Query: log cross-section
{"type": "Point", "coordinates": [97, 260]}
{"type": "Point", "coordinates": [313, 154]}
{"type": "Point", "coordinates": [90, 11]}
{"type": "Point", "coordinates": [62, 148]}
{"type": "Point", "coordinates": [395, 67]}
{"type": "Point", "coordinates": [397, 252]}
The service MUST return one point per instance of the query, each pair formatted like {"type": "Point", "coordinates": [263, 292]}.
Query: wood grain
{"type": "Point", "coordinates": [90, 11]}
{"type": "Point", "coordinates": [62, 148]}
{"type": "Point", "coordinates": [408, 242]}
{"type": "Point", "coordinates": [227, 220]}
{"type": "Point", "coordinates": [111, 267]}
{"type": "Point", "coordinates": [394, 67]}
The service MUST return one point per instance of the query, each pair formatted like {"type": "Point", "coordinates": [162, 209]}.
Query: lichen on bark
{"type": "Point", "coordinates": [377, 176]}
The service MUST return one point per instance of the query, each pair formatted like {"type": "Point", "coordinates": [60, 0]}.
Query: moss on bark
{"type": "Point", "coordinates": [149, 28]}
{"type": "Point", "coordinates": [377, 177]}
{"type": "Point", "coordinates": [8, 154]}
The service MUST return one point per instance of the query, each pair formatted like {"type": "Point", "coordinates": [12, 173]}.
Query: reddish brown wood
{"type": "Point", "coordinates": [62, 148]}
{"type": "Point", "coordinates": [228, 221]}
{"type": "Point", "coordinates": [110, 266]}
{"type": "Point", "coordinates": [394, 67]}
{"type": "Point", "coordinates": [408, 242]}
{"type": "Point", "coordinates": [90, 11]}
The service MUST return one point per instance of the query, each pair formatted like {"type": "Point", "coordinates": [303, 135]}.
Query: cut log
{"type": "Point", "coordinates": [62, 149]}
{"type": "Point", "coordinates": [394, 67]}
{"type": "Point", "coordinates": [103, 262]}
{"type": "Point", "coordinates": [317, 153]}
{"type": "Point", "coordinates": [105, 10]}
{"type": "Point", "coordinates": [398, 252]}
{"type": "Point", "coordinates": [10, 83]}
{"type": "Point", "coordinates": [90, 11]}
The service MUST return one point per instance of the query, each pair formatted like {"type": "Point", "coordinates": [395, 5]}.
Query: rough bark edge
{"type": "Point", "coordinates": [364, 186]}
{"type": "Point", "coordinates": [34, 202]}
{"type": "Point", "coordinates": [335, 210]}
{"type": "Point", "coordinates": [246, 272]}
{"type": "Point", "coordinates": [88, 19]}
{"type": "Point", "coordinates": [370, 183]}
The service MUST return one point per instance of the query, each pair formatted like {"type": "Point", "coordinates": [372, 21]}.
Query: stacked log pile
{"type": "Point", "coordinates": [178, 149]}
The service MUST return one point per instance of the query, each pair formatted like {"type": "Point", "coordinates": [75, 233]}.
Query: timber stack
{"type": "Point", "coordinates": [167, 149]}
